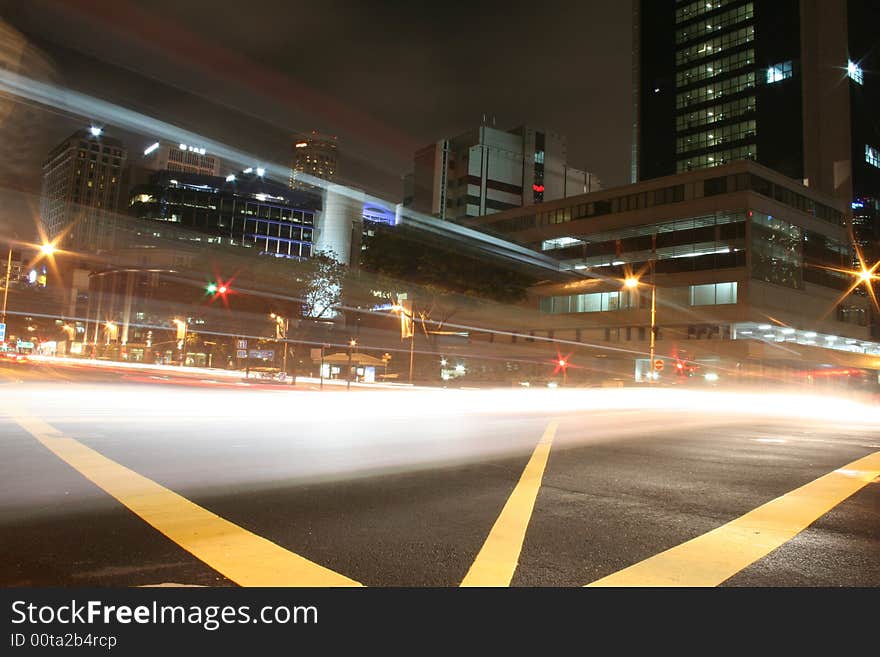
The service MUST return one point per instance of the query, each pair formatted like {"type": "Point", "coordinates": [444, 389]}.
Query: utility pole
{"type": "Point", "coordinates": [8, 278]}
{"type": "Point", "coordinates": [412, 339]}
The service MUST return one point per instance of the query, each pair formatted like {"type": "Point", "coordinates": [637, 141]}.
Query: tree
{"type": "Point", "coordinates": [443, 263]}
{"type": "Point", "coordinates": [322, 278]}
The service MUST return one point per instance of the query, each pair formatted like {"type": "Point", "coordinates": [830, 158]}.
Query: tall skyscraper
{"type": "Point", "coordinates": [791, 84]}
{"type": "Point", "coordinates": [315, 155]}
{"type": "Point", "coordinates": [488, 170]}
{"type": "Point", "coordinates": [80, 191]}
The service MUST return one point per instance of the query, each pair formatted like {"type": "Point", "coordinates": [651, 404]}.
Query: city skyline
{"type": "Point", "coordinates": [422, 110]}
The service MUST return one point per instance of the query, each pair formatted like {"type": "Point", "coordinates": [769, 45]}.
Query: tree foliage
{"type": "Point", "coordinates": [443, 263]}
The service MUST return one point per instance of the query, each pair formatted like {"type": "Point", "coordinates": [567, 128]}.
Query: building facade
{"type": "Point", "coordinates": [82, 178]}
{"type": "Point", "coordinates": [488, 170]}
{"type": "Point", "coordinates": [747, 268]}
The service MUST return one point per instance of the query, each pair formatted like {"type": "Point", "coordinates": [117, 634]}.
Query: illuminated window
{"type": "Point", "coordinates": [779, 72]}
{"type": "Point", "coordinates": [872, 156]}
{"type": "Point", "coordinates": [854, 71]}
{"type": "Point", "coordinates": [714, 294]}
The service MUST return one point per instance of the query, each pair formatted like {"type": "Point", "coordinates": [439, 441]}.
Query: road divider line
{"type": "Point", "coordinates": [716, 556]}
{"type": "Point", "coordinates": [236, 553]}
{"type": "Point", "coordinates": [498, 558]}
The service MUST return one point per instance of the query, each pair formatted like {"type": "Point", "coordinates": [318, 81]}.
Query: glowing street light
{"type": "Point", "coordinates": [282, 326]}
{"type": "Point", "coordinates": [181, 338]}
{"type": "Point", "coordinates": [47, 249]}
{"type": "Point", "coordinates": [632, 282]}
{"type": "Point", "coordinates": [351, 345]}
{"type": "Point", "coordinates": [409, 326]}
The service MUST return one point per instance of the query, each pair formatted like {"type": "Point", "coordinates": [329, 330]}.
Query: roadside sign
{"type": "Point", "coordinates": [315, 353]}
{"type": "Point", "coordinates": [241, 353]}
{"type": "Point", "coordinates": [2, 332]}
{"type": "Point", "coordinates": [241, 344]}
{"type": "Point", "coordinates": [658, 365]}
{"type": "Point", "coordinates": [265, 354]}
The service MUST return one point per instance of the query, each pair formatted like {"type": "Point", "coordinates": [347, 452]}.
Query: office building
{"type": "Point", "coordinates": [81, 189]}
{"type": "Point", "coordinates": [790, 84]}
{"type": "Point", "coordinates": [180, 157]}
{"type": "Point", "coordinates": [488, 170]}
{"type": "Point", "coordinates": [314, 155]}
{"type": "Point", "coordinates": [243, 210]}
{"type": "Point", "coordinates": [745, 264]}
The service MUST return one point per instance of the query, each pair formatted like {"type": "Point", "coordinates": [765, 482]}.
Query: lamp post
{"type": "Point", "coordinates": [633, 283]}
{"type": "Point", "coordinates": [46, 249]}
{"type": "Point", "coordinates": [181, 339]}
{"type": "Point", "coordinates": [411, 328]}
{"type": "Point", "coordinates": [8, 278]}
{"type": "Point", "coordinates": [282, 326]}
{"type": "Point", "coordinates": [351, 345]}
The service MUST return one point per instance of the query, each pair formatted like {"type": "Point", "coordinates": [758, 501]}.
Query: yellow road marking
{"type": "Point", "coordinates": [243, 557]}
{"type": "Point", "coordinates": [718, 555]}
{"type": "Point", "coordinates": [499, 556]}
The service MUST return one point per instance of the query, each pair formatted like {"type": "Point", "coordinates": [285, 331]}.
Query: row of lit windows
{"type": "Point", "coordinates": [714, 46]}
{"type": "Point", "coordinates": [715, 91]}
{"type": "Point", "coordinates": [710, 115]}
{"type": "Point", "coordinates": [674, 194]}
{"type": "Point", "coordinates": [621, 204]}
{"type": "Point", "coordinates": [194, 159]}
{"type": "Point", "coordinates": [716, 23]}
{"type": "Point", "coordinates": [872, 156]}
{"type": "Point", "coordinates": [711, 294]}
{"type": "Point", "coordinates": [716, 136]}
{"type": "Point", "coordinates": [269, 246]}
{"type": "Point", "coordinates": [715, 67]}
{"type": "Point", "coordinates": [698, 8]}
{"type": "Point", "coordinates": [717, 158]}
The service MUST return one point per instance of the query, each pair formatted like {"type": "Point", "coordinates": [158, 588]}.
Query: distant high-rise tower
{"type": "Point", "coordinates": [791, 84]}
{"type": "Point", "coordinates": [315, 155]}
{"type": "Point", "coordinates": [80, 193]}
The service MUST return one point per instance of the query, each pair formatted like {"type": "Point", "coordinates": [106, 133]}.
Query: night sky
{"type": "Point", "coordinates": [385, 77]}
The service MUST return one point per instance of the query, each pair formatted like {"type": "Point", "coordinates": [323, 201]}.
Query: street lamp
{"type": "Point", "coordinates": [181, 338]}
{"type": "Point", "coordinates": [282, 326]}
{"type": "Point", "coordinates": [632, 283]}
{"type": "Point", "coordinates": [46, 249]}
{"type": "Point", "coordinates": [411, 328]}
{"type": "Point", "coordinates": [351, 345]}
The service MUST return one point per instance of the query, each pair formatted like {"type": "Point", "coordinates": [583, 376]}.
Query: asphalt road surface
{"type": "Point", "coordinates": [108, 479]}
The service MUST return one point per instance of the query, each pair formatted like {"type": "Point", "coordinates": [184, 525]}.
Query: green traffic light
{"type": "Point", "coordinates": [212, 288]}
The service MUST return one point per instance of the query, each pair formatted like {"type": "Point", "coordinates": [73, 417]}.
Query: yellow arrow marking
{"type": "Point", "coordinates": [240, 555]}
{"type": "Point", "coordinates": [718, 555]}
{"type": "Point", "coordinates": [499, 556]}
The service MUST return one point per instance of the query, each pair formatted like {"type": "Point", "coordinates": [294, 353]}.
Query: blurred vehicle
{"type": "Point", "coordinates": [14, 357]}
{"type": "Point", "coordinates": [266, 375]}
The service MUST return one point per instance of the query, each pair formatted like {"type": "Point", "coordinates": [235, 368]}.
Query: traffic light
{"type": "Point", "coordinates": [217, 289]}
